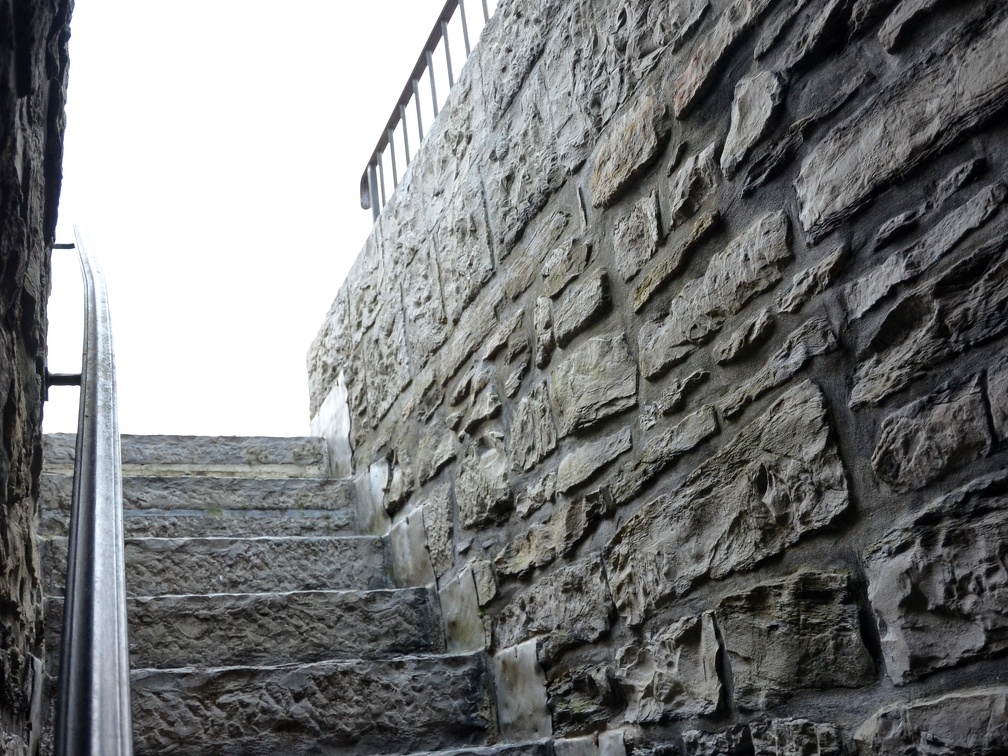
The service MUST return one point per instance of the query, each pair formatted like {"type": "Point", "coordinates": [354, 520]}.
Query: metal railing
{"type": "Point", "coordinates": [375, 186]}
{"type": "Point", "coordinates": [93, 700]}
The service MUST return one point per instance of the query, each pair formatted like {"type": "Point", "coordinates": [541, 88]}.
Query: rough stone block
{"type": "Point", "coordinates": [590, 457]}
{"type": "Point", "coordinates": [744, 340]}
{"type": "Point", "coordinates": [937, 582]}
{"type": "Point", "coordinates": [460, 610]}
{"type": "Point", "coordinates": [700, 73]}
{"type": "Point", "coordinates": [968, 299]}
{"type": "Point", "coordinates": [660, 451]}
{"type": "Point", "coordinates": [544, 542]}
{"type": "Point", "coordinates": [438, 520]}
{"type": "Point", "coordinates": [929, 438]}
{"type": "Point", "coordinates": [777, 480]}
{"type": "Point", "coordinates": [813, 339]}
{"type": "Point", "coordinates": [672, 399]}
{"type": "Point", "coordinates": [793, 634]}
{"type": "Point", "coordinates": [633, 142]}
{"type": "Point", "coordinates": [795, 737]}
{"type": "Point", "coordinates": [812, 281]}
{"type": "Point", "coordinates": [636, 237]}
{"type": "Point", "coordinates": [597, 379]}
{"type": "Point", "coordinates": [671, 262]}
{"type": "Point", "coordinates": [947, 92]}
{"type": "Point", "coordinates": [964, 723]}
{"type": "Point", "coordinates": [533, 435]}
{"type": "Point", "coordinates": [693, 184]}
{"type": "Point", "coordinates": [895, 29]}
{"type": "Point", "coordinates": [481, 486]}
{"type": "Point", "coordinates": [435, 449]}
{"type": "Point", "coordinates": [563, 263]}
{"type": "Point", "coordinates": [735, 741]}
{"type": "Point", "coordinates": [545, 340]}
{"type": "Point", "coordinates": [997, 396]}
{"type": "Point", "coordinates": [463, 250]}
{"type": "Point", "coordinates": [907, 264]}
{"type": "Point", "coordinates": [749, 265]}
{"type": "Point", "coordinates": [581, 696]}
{"type": "Point", "coordinates": [571, 605]}
{"type": "Point", "coordinates": [672, 674]}
{"type": "Point", "coordinates": [580, 305]}
{"type": "Point", "coordinates": [757, 99]}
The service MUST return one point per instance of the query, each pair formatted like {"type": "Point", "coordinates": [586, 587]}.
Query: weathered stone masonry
{"type": "Point", "coordinates": [33, 70]}
{"type": "Point", "coordinates": [679, 363]}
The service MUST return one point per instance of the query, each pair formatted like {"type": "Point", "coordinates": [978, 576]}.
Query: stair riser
{"type": "Point", "coordinates": [235, 565]}
{"type": "Point", "coordinates": [153, 523]}
{"type": "Point", "coordinates": [350, 708]}
{"type": "Point", "coordinates": [248, 457]}
{"type": "Point", "coordinates": [264, 629]}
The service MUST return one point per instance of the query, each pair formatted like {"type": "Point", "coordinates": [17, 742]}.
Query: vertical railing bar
{"type": "Point", "coordinates": [390, 133]}
{"type": "Point", "coordinates": [433, 87]}
{"type": "Point", "coordinates": [465, 28]}
{"type": "Point", "coordinates": [416, 100]}
{"type": "Point", "coordinates": [373, 188]}
{"type": "Point", "coordinates": [381, 176]}
{"type": "Point", "coordinates": [405, 132]}
{"type": "Point", "coordinates": [486, 13]}
{"type": "Point", "coordinates": [447, 53]}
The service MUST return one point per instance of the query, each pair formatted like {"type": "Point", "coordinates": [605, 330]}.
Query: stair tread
{"type": "Point", "coordinates": [399, 705]}
{"type": "Point", "coordinates": [172, 630]}
{"type": "Point", "coordinates": [257, 564]}
{"type": "Point", "coordinates": [240, 456]}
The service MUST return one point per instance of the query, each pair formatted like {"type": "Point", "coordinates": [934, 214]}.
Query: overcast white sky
{"type": "Point", "coordinates": [213, 154]}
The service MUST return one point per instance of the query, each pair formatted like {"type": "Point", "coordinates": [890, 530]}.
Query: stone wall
{"type": "Point", "coordinates": [33, 69]}
{"type": "Point", "coordinates": [679, 362]}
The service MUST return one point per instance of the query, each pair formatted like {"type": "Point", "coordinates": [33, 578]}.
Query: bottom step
{"type": "Point", "coordinates": [403, 705]}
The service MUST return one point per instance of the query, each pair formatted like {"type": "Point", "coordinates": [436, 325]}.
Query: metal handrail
{"type": "Point", "coordinates": [372, 184]}
{"type": "Point", "coordinates": [93, 702]}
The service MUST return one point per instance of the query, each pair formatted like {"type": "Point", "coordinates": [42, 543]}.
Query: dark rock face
{"type": "Point", "coordinates": [742, 346]}
{"type": "Point", "coordinates": [33, 75]}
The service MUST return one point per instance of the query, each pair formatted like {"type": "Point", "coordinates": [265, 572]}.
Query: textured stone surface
{"type": "Point", "coordinates": [543, 542]}
{"type": "Point", "coordinates": [578, 306]}
{"type": "Point", "coordinates": [408, 551]}
{"type": "Point", "coordinates": [909, 263]}
{"type": "Point", "coordinates": [33, 80]}
{"type": "Point", "coordinates": [735, 741]}
{"type": "Point", "coordinates": [411, 703]}
{"type": "Point", "coordinates": [777, 480]}
{"type": "Point", "coordinates": [708, 59]}
{"type": "Point", "coordinates": [672, 673]}
{"type": "Point", "coordinates": [571, 605]}
{"type": "Point", "coordinates": [435, 450]}
{"type": "Point", "coordinates": [967, 299]}
{"type": "Point", "coordinates": [933, 436]}
{"type": "Point", "coordinates": [671, 261]}
{"type": "Point", "coordinates": [193, 456]}
{"type": "Point", "coordinates": [521, 693]}
{"type": "Point", "coordinates": [969, 722]}
{"type": "Point", "coordinates": [927, 622]}
{"type": "Point", "coordinates": [481, 487]}
{"type": "Point", "coordinates": [660, 451]}
{"type": "Point", "coordinates": [229, 565]}
{"type": "Point", "coordinates": [895, 28]}
{"type": "Point", "coordinates": [672, 399]}
{"type": "Point", "coordinates": [757, 99]}
{"type": "Point", "coordinates": [631, 144]}
{"type": "Point", "coordinates": [745, 339]}
{"type": "Point", "coordinates": [797, 633]}
{"type": "Point", "coordinates": [636, 237]}
{"type": "Point", "coordinates": [997, 396]}
{"type": "Point", "coordinates": [812, 281]}
{"type": "Point", "coordinates": [533, 435]}
{"type": "Point", "coordinates": [960, 83]}
{"type": "Point", "coordinates": [545, 339]}
{"type": "Point", "coordinates": [596, 379]}
{"type": "Point", "coordinates": [692, 184]}
{"type": "Point", "coordinates": [582, 463]}
{"type": "Point", "coordinates": [795, 737]}
{"type": "Point", "coordinates": [813, 339]}
{"type": "Point", "coordinates": [750, 264]}
{"type": "Point", "coordinates": [439, 525]}
{"type": "Point", "coordinates": [463, 624]}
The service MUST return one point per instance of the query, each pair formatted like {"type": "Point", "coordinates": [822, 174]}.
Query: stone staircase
{"type": "Point", "coordinates": [260, 620]}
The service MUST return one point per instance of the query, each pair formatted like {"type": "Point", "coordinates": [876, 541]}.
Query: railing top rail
{"type": "Point", "coordinates": [93, 704]}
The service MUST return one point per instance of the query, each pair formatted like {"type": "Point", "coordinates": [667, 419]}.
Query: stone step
{"type": "Point", "coordinates": [231, 565]}
{"type": "Point", "coordinates": [353, 707]}
{"type": "Point", "coordinates": [537, 748]}
{"type": "Point", "coordinates": [273, 628]}
{"type": "Point", "coordinates": [221, 456]}
{"type": "Point", "coordinates": [208, 506]}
